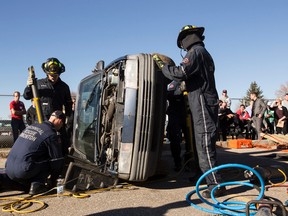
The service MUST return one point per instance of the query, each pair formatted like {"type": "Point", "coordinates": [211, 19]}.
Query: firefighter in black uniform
{"type": "Point", "coordinates": [36, 154]}
{"type": "Point", "coordinates": [176, 121]}
{"type": "Point", "coordinates": [197, 70]}
{"type": "Point", "coordinates": [54, 94]}
{"type": "Point", "coordinates": [178, 127]}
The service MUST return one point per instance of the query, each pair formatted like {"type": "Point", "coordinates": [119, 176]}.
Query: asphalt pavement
{"type": "Point", "coordinates": [164, 194]}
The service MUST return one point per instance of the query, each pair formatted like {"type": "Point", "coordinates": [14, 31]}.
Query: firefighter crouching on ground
{"type": "Point", "coordinates": [54, 94]}
{"type": "Point", "coordinates": [197, 70]}
{"type": "Point", "coordinates": [36, 155]}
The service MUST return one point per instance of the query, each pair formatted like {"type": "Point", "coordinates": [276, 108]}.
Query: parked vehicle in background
{"type": "Point", "coordinates": [118, 123]}
{"type": "Point", "coordinates": [5, 127]}
{"type": "Point", "coordinates": [6, 138]}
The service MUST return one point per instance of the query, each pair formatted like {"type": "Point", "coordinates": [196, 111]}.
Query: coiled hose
{"type": "Point", "coordinates": [226, 207]}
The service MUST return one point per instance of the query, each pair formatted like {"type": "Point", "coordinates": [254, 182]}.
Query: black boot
{"type": "Point", "coordinates": [37, 188]}
{"type": "Point", "coordinates": [217, 193]}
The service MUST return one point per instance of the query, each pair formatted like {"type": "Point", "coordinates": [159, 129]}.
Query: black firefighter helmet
{"type": "Point", "coordinates": [53, 66]}
{"type": "Point", "coordinates": [186, 30]}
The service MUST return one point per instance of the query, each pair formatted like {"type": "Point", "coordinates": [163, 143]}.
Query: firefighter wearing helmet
{"type": "Point", "coordinates": [53, 66]}
{"type": "Point", "coordinates": [54, 94]}
{"type": "Point", "coordinates": [197, 70]}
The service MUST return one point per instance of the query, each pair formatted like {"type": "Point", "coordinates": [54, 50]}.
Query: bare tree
{"type": "Point", "coordinates": [282, 91]}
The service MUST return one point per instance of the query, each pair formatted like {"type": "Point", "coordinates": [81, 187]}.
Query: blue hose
{"type": "Point", "coordinates": [227, 207]}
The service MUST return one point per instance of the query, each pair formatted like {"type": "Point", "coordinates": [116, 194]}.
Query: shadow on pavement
{"type": "Point", "coordinates": [167, 178]}
{"type": "Point", "coordinates": [139, 211]}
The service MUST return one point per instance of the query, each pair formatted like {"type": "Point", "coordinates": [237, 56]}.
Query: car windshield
{"type": "Point", "coordinates": [86, 123]}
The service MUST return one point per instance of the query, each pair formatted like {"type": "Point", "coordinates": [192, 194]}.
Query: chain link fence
{"type": "Point", "coordinates": [6, 137]}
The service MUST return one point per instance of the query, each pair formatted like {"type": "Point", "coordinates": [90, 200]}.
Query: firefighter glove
{"type": "Point", "coordinates": [29, 81]}
{"type": "Point", "coordinates": [158, 61]}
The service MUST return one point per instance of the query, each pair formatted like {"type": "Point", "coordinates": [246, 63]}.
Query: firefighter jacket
{"type": "Point", "coordinates": [176, 106]}
{"type": "Point", "coordinates": [197, 70]}
{"type": "Point", "coordinates": [37, 150]}
{"type": "Point", "coordinates": [52, 96]}
{"type": "Point", "coordinates": [31, 115]}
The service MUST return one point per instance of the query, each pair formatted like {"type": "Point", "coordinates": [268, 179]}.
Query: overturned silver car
{"type": "Point", "coordinates": [118, 123]}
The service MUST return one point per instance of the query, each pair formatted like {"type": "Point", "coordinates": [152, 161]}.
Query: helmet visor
{"type": "Point", "coordinates": [53, 67]}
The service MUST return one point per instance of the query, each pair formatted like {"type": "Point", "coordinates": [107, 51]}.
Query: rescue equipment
{"type": "Point", "coordinates": [35, 92]}
{"type": "Point", "coordinates": [227, 207]}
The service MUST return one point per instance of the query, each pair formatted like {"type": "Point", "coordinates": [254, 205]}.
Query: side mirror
{"type": "Point", "coordinates": [99, 66]}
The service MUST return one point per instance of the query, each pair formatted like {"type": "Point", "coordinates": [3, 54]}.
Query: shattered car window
{"type": "Point", "coordinates": [88, 112]}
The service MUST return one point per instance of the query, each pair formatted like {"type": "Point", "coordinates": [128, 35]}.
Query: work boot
{"type": "Point", "coordinates": [37, 188]}
{"type": "Point", "coordinates": [217, 193]}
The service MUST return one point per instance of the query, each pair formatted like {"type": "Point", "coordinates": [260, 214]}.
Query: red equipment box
{"type": "Point", "coordinates": [240, 143]}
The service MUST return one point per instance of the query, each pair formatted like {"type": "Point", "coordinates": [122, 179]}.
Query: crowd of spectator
{"type": "Point", "coordinates": [252, 120]}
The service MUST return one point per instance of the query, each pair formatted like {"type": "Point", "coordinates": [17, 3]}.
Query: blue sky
{"type": "Point", "coordinates": [247, 39]}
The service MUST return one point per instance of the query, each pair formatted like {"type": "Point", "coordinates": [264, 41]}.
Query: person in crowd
{"type": "Point", "coordinates": [17, 109]}
{"type": "Point", "coordinates": [249, 108]}
{"type": "Point", "coordinates": [35, 156]}
{"type": "Point", "coordinates": [226, 119]}
{"type": "Point", "coordinates": [258, 110]}
{"type": "Point", "coordinates": [281, 116]}
{"type": "Point", "coordinates": [54, 94]}
{"type": "Point", "coordinates": [285, 101]}
{"type": "Point", "coordinates": [244, 120]}
{"type": "Point", "coordinates": [197, 70]}
{"type": "Point", "coordinates": [285, 104]}
{"type": "Point", "coordinates": [225, 98]}
{"type": "Point", "coordinates": [31, 115]}
{"type": "Point", "coordinates": [269, 119]}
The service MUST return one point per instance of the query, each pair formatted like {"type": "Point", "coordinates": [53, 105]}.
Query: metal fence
{"type": "Point", "coordinates": [6, 137]}
{"type": "Point", "coordinates": [6, 141]}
